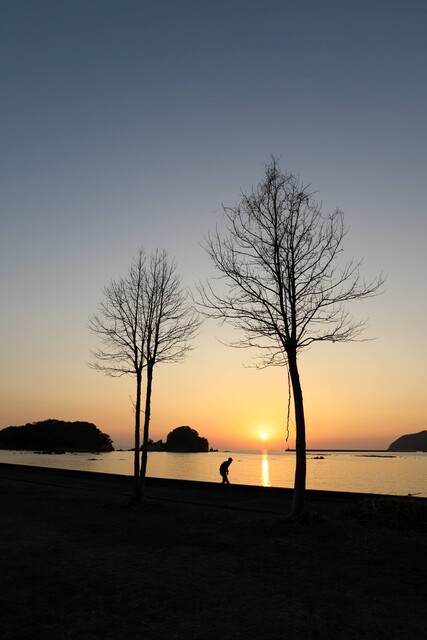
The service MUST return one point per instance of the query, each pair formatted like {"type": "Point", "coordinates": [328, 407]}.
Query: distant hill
{"type": "Point", "coordinates": [55, 435]}
{"type": "Point", "coordinates": [410, 442]}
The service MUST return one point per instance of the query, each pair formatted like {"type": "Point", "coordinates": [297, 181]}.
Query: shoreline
{"type": "Point", "coordinates": [353, 472]}
{"type": "Point", "coordinates": [236, 496]}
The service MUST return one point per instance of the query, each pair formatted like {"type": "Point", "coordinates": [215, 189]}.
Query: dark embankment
{"type": "Point", "coordinates": [253, 498]}
{"type": "Point", "coordinates": [273, 499]}
{"type": "Point", "coordinates": [80, 561]}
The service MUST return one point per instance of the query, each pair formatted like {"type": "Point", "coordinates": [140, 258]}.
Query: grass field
{"type": "Point", "coordinates": [80, 565]}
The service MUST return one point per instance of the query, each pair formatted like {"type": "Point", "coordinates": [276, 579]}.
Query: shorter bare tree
{"type": "Point", "coordinates": [282, 285]}
{"type": "Point", "coordinates": [144, 319]}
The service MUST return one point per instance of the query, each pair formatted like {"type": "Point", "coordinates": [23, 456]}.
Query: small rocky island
{"type": "Point", "coordinates": [56, 436]}
{"type": "Point", "coordinates": [181, 440]}
{"type": "Point", "coordinates": [410, 442]}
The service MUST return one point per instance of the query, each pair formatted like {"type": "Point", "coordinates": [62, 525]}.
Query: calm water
{"type": "Point", "coordinates": [394, 474]}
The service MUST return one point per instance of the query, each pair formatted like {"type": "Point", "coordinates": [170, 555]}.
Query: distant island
{"type": "Point", "coordinates": [181, 440]}
{"type": "Point", "coordinates": [410, 442]}
{"type": "Point", "coordinates": [56, 436]}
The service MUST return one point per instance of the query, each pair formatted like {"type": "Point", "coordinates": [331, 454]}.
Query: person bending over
{"type": "Point", "coordinates": [223, 470]}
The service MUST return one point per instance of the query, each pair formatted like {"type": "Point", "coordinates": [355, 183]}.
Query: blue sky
{"type": "Point", "coordinates": [127, 124]}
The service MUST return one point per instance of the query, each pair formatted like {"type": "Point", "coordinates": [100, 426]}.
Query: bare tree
{"type": "Point", "coordinates": [282, 285]}
{"type": "Point", "coordinates": [144, 319]}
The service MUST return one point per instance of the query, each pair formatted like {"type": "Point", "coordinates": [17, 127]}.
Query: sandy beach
{"type": "Point", "coordinates": [80, 561]}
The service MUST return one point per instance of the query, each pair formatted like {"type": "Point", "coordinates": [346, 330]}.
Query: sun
{"type": "Point", "coordinates": [264, 436]}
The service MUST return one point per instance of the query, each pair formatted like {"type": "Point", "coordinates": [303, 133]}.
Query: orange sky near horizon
{"type": "Point", "coordinates": [353, 400]}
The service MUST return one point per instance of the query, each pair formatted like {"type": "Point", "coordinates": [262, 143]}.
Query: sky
{"type": "Point", "coordinates": [128, 124]}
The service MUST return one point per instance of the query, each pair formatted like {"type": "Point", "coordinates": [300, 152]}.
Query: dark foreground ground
{"type": "Point", "coordinates": [80, 561]}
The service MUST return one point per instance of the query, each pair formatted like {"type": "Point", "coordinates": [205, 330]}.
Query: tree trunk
{"type": "Point", "coordinates": [147, 415]}
{"type": "Point", "coordinates": [137, 483]}
{"type": "Point", "coordinates": [300, 464]}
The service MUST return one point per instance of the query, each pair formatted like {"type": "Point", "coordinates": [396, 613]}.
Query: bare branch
{"type": "Point", "coordinates": [279, 280]}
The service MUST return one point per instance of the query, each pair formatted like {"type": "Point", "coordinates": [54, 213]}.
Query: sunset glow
{"type": "Point", "coordinates": [109, 148]}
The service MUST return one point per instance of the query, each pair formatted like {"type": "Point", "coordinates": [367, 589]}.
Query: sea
{"type": "Point", "coordinates": [354, 471]}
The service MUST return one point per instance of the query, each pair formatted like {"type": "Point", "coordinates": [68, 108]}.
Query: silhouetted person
{"type": "Point", "coordinates": [223, 470]}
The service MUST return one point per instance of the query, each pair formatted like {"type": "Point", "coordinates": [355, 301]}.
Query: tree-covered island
{"type": "Point", "coordinates": [56, 436]}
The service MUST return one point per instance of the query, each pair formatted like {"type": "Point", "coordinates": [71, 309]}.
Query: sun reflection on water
{"type": "Point", "coordinates": [265, 470]}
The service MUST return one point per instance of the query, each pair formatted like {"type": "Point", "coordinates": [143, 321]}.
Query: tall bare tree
{"type": "Point", "coordinates": [144, 319]}
{"type": "Point", "coordinates": [281, 284]}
